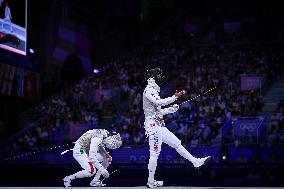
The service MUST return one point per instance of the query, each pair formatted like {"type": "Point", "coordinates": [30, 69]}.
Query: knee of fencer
{"type": "Point", "coordinates": [152, 163]}
{"type": "Point", "coordinates": [155, 153]}
{"type": "Point", "coordinates": [90, 173]}
{"type": "Point", "coordinates": [153, 157]}
{"type": "Point", "coordinates": [179, 149]}
{"type": "Point", "coordinates": [177, 145]}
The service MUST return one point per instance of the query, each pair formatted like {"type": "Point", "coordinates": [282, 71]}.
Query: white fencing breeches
{"type": "Point", "coordinates": [82, 158]}
{"type": "Point", "coordinates": [157, 135]}
{"type": "Point", "coordinates": [105, 163]}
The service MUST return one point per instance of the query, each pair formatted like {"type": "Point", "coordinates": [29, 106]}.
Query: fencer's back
{"type": "Point", "coordinates": [86, 138]}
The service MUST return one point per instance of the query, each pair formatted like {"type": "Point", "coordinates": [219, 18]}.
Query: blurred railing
{"type": "Point", "coordinates": [244, 131]}
{"type": "Point", "coordinates": [140, 156]}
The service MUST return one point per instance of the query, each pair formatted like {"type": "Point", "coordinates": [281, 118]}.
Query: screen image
{"type": "Point", "coordinates": [13, 25]}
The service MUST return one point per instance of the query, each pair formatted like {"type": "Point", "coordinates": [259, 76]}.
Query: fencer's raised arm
{"type": "Point", "coordinates": [169, 110]}
{"type": "Point", "coordinates": [94, 148]}
{"type": "Point", "coordinates": [152, 95]}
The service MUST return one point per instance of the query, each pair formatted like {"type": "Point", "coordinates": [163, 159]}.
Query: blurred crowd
{"type": "Point", "coordinates": [276, 126]}
{"type": "Point", "coordinates": [195, 68]}
{"type": "Point", "coordinates": [76, 104]}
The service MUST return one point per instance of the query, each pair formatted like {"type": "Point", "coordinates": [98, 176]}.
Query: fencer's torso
{"type": "Point", "coordinates": [85, 140]}
{"type": "Point", "coordinates": [150, 109]}
{"type": "Point", "coordinates": [152, 104]}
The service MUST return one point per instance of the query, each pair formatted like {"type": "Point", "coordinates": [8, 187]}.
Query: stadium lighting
{"type": "Point", "coordinates": [31, 51]}
{"type": "Point", "coordinates": [96, 71]}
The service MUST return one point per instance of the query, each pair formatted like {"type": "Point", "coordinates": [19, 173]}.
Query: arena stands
{"type": "Point", "coordinates": [194, 67]}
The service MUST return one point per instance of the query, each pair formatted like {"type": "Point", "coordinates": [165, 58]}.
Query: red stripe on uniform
{"type": "Point", "coordinates": [92, 167]}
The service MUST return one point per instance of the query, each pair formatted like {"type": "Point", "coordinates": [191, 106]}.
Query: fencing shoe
{"type": "Point", "coordinates": [199, 162]}
{"type": "Point", "coordinates": [97, 183]}
{"type": "Point", "coordinates": [155, 184]}
{"type": "Point", "coordinates": [67, 181]}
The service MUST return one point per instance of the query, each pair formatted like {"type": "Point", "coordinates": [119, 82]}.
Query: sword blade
{"type": "Point", "coordinates": [202, 94]}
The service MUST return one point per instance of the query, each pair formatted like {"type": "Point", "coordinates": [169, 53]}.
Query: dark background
{"type": "Point", "coordinates": [126, 37]}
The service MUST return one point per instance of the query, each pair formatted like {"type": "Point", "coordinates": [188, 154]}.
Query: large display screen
{"type": "Point", "coordinates": [13, 25]}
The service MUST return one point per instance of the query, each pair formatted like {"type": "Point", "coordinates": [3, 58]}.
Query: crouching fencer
{"type": "Point", "coordinates": [90, 153]}
{"type": "Point", "coordinates": [155, 126]}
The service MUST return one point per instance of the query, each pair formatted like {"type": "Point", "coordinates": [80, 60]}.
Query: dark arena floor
{"type": "Point", "coordinates": [44, 176]}
{"type": "Point", "coordinates": [165, 187]}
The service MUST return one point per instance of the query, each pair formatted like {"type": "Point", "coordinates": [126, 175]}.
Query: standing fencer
{"type": "Point", "coordinates": [8, 16]}
{"type": "Point", "coordinates": [90, 153]}
{"type": "Point", "coordinates": [155, 126]}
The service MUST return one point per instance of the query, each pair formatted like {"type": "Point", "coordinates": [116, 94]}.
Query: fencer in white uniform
{"type": "Point", "coordinates": [155, 126]}
{"type": "Point", "coordinates": [90, 153]}
{"type": "Point", "coordinates": [8, 16]}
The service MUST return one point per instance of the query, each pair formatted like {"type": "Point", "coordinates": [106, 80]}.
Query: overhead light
{"type": "Point", "coordinates": [96, 71]}
{"type": "Point", "coordinates": [31, 51]}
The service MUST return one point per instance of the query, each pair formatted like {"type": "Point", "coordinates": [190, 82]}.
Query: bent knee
{"type": "Point", "coordinates": [152, 163]}
{"type": "Point", "coordinates": [90, 174]}
{"type": "Point", "coordinates": [176, 145]}
{"type": "Point", "coordinates": [155, 152]}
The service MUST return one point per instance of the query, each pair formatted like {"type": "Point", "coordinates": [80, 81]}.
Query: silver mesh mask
{"type": "Point", "coordinates": [113, 141]}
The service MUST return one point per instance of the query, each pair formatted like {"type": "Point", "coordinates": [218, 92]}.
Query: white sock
{"type": "Point", "coordinates": [152, 168]}
{"type": "Point", "coordinates": [81, 174]}
{"type": "Point", "coordinates": [184, 153]}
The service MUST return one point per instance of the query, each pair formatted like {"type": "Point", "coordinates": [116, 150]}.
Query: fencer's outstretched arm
{"type": "Point", "coordinates": [155, 98]}
{"type": "Point", "coordinates": [169, 110]}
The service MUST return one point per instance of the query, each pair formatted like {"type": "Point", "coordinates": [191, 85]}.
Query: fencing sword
{"type": "Point", "coordinates": [109, 174]}
{"type": "Point", "coordinates": [38, 151]}
{"type": "Point", "coordinates": [201, 94]}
